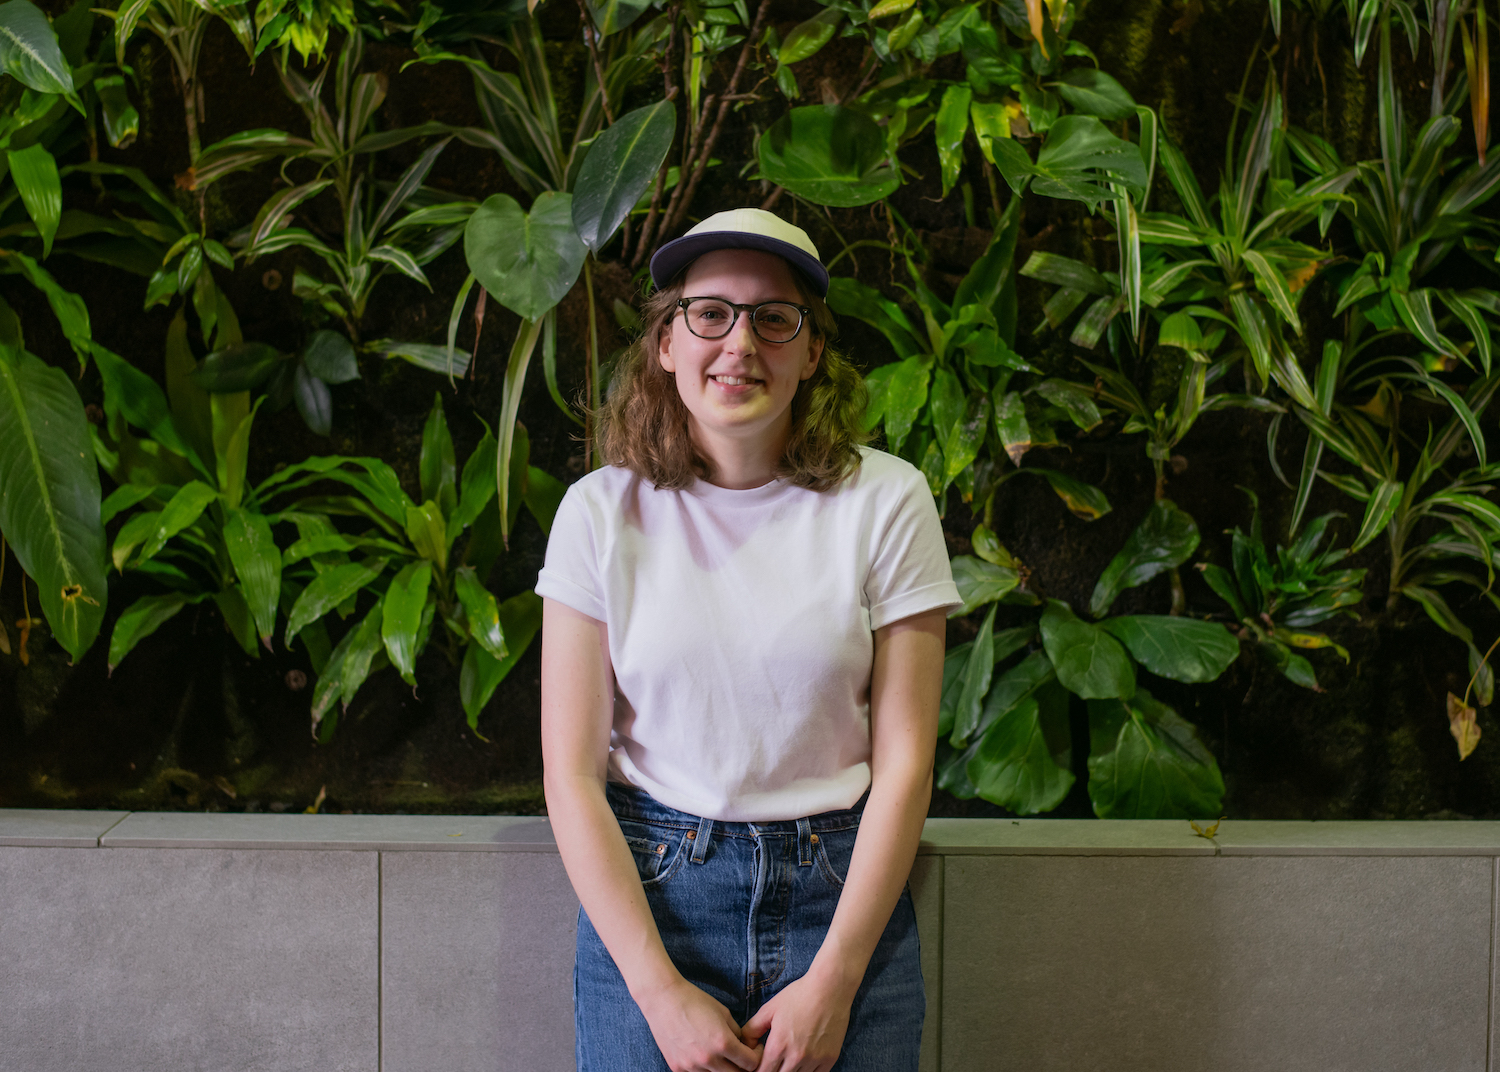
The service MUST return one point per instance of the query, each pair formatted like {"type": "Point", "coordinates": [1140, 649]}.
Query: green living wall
{"type": "Point", "coordinates": [1183, 308]}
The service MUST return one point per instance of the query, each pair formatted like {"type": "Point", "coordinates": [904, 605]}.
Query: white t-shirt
{"type": "Point", "coordinates": [741, 627]}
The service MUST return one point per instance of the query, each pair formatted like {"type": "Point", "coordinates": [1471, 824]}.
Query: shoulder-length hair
{"type": "Point", "coordinates": [644, 426]}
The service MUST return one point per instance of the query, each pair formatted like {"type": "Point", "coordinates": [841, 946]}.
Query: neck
{"type": "Point", "coordinates": [740, 464]}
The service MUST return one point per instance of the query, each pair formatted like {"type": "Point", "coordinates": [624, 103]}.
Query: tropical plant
{"type": "Point", "coordinates": [192, 522]}
{"type": "Point", "coordinates": [424, 565]}
{"type": "Point", "coordinates": [324, 360]}
{"type": "Point", "coordinates": [949, 404]}
{"type": "Point", "coordinates": [1008, 733]}
{"type": "Point", "coordinates": [1275, 600]}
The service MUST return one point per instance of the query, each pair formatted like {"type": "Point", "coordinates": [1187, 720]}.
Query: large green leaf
{"type": "Point", "coordinates": [1024, 760]}
{"type": "Point", "coordinates": [620, 166]}
{"type": "Point", "coordinates": [1164, 540]}
{"type": "Point", "coordinates": [29, 50]}
{"type": "Point", "coordinates": [980, 582]}
{"type": "Point", "coordinates": [328, 590]}
{"type": "Point", "coordinates": [1087, 659]}
{"type": "Point", "coordinates": [257, 561]}
{"type": "Point", "coordinates": [829, 155]}
{"type": "Point", "coordinates": [436, 464]}
{"type": "Point", "coordinates": [49, 495]}
{"type": "Point", "coordinates": [974, 683]}
{"type": "Point", "coordinates": [526, 261]}
{"type": "Point", "coordinates": [182, 510]}
{"type": "Point", "coordinates": [1183, 649]}
{"type": "Point", "coordinates": [1079, 160]}
{"type": "Point", "coordinates": [1146, 762]}
{"type": "Point", "coordinates": [401, 617]}
{"type": "Point", "coordinates": [36, 178]}
{"type": "Point", "coordinates": [144, 617]}
{"type": "Point", "coordinates": [482, 612]}
{"type": "Point", "coordinates": [1092, 92]}
{"type": "Point", "coordinates": [520, 618]}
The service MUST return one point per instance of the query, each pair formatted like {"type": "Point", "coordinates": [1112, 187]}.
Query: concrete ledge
{"type": "Point", "coordinates": [270, 942]}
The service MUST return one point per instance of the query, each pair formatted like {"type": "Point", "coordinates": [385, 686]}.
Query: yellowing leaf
{"type": "Point", "coordinates": [1463, 725]}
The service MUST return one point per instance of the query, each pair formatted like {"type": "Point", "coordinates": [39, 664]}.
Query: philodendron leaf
{"type": "Point", "coordinates": [34, 172]}
{"type": "Point", "coordinates": [401, 616]}
{"type": "Point", "coordinates": [482, 611]}
{"type": "Point", "coordinates": [49, 496]}
{"type": "Point", "coordinates": [1183, 649]}
{"type": "Point", "coordinates": [1146, 762]}
{"type": "Point", "coordinates": [619, 167]}
{"type": "Point", "coordinates": [520, 618]}
{"type": "Point", "coordinates": [1092, 92]}
{"type": "Point", "coordinates": [829, 155]}
{"type": "Point", "coordinates": [439, 471]}
{"type": "Point", "coordinates": [527, 261]}
{"type": "Point", "coordinates": [330, 357]}
{"type": "Point", "coordinates": [29, 51]}
{"type": "Point", "coordinates": [1080, 158]}
{"type": "Point", "coordinates": [257, 561]}
{"type": "Point", "coordinates": [1164, 540]}
{"type": "Point", "coordinates": [1024, 760]}
{"type": "Point", "coordinates": [1088, 660]}
{"type": "Point", "coordinates": [980, 582]}
{"type": "Point", "coordinates": [142, 618]}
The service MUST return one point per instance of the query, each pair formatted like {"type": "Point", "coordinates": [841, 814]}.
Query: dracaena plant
{"type": "Point", "coordinates": [952, 403]}
{"type": "Point", "coordinates": [1432, 504]}
{"type": "Point", "coordinates": [401, 570]}
{"type": "Point", "coordinates": [1408, 216]}
{"type": "Point", "coordinates": [191, 520]}
{"type": "Point", "coordinates": [1275, 599]}
{"type": "Point", "coordinates": [1006, 729]}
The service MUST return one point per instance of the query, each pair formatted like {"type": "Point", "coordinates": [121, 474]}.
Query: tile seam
{"type": "Point", "coordinates": [1489, 1033]}
{"type": "Point", "coordinates": [379, 961]}
{"type": "Point", "coordinates": [99, 841]}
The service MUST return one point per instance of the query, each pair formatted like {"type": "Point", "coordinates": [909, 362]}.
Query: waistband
{"type": "Point", "coordinates": [628, 802]}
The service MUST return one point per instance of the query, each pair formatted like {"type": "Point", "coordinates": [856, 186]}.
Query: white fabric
{"type": "Point", "coordinates": [741, 627]}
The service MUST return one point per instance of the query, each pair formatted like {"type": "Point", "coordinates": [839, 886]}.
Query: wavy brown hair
{"type": "Point", "coordinates": [643, 424]}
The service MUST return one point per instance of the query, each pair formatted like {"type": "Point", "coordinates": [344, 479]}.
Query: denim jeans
{"type": "Point", "coordinates": [742, 909]}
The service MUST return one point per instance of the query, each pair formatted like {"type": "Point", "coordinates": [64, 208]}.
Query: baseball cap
{"type": "Point", "coordinates": [741, 228]}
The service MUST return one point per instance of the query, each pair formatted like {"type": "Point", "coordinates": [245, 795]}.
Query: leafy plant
{"type": "Point", "coordinates": [425, 566]}
{"type": "Point", "coordinates": [1275, 600]}
{"type": "Point", "coordinates": [304, 377]}
{"type": "Point", "coordinates": [949, 404]}
{"type": "Point", "coordinates": [1008, 735]}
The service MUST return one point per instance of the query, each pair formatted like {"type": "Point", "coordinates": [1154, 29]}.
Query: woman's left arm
{"type": "Point", "coordinates": [804, 1025]}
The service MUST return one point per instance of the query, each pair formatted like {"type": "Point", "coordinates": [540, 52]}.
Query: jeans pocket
{"type": "Point", "coordinates": [657, 850]}
{"type": "Point", "coordinates": [835, 850]}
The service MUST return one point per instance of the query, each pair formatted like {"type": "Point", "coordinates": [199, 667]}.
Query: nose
{"type": "Point", "coordinates": [741, 338]}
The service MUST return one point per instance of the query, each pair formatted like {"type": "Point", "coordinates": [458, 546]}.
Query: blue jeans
{"type": "Point", "coordinates": [742, 909]}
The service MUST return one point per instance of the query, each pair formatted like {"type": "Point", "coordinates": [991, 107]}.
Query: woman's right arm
{"type": "Point", "coordinates": [695, 1032]}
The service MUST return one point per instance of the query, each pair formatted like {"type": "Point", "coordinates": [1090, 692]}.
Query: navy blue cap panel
{"type": "Point", "coordinates": [680, 252]}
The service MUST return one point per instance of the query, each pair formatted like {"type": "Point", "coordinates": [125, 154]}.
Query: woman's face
{"type": "Point", "coordinates": [738, 389]}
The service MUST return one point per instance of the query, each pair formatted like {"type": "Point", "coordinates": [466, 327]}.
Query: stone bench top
{"type": "Point", "coordinates": [946, 837]}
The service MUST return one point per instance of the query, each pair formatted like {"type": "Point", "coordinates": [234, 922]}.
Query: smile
{"type": "Point", "coordinates": [734, 381]}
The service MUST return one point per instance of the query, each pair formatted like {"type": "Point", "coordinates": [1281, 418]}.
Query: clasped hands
{"type": "Point", "coordinates": [801, 1029]}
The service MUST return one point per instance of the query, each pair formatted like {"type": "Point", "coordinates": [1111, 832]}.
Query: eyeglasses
{"type": "Point", "coordinates": [713, 318]}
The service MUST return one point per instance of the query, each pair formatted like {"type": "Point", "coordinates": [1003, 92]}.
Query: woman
{"type": "Point", "coordinates": [742, 649]}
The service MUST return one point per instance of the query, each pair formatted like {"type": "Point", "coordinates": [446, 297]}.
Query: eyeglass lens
{"type": "Point", "coordinates": [710, 318]}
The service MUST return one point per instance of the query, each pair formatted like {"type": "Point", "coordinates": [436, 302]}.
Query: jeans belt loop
{"type": "Point", "coordinates": [700, 841]}
{"type": "Point", "coordinates": [804, 843]}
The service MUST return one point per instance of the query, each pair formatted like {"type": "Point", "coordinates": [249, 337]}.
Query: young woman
{"type": "Point", "coordinates": [742, 651]}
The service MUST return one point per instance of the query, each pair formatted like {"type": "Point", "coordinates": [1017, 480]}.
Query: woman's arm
{"type": "Point", "coordinates": [804, 1024]}
{"type": "Point", "coordinates": [695, 1032]}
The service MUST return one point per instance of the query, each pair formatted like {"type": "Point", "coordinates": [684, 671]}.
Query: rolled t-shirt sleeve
{"type": "Point", "coordinates": [570, 574]}
{"type": "Point", "coordinates": [909, 571]}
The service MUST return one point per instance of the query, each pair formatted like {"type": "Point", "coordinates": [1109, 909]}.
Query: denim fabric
{"type": "Point", "coordinates": [742, 909]}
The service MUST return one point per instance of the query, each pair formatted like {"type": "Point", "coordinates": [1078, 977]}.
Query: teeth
{"type": "Point", "coordinates": [734, 381]}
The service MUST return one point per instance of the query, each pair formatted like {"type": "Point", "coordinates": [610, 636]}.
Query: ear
{"type": "Point", "coordinates": [814, 354]}
{"type": "Point", "coordinates": [664, 350]}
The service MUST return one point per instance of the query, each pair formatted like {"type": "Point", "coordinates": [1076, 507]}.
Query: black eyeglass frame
{"type": "Point", "coordinates": [802, 314]}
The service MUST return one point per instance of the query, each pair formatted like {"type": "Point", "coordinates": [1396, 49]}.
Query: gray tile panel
{"type": "Point", "coordinates": [1339, 964]}
{"type": "Point", "coordinates": [152, 960]}
{"type": "Point", "coordinates": [477, 962]}
{"type": "Point", "coordinates": [58, 829]}
{"type": "Point", "coordinates": [471, 833]}
{"type": "Point", "coordinates": [1067, 837]}
{"type": "Point", "coordinates": [1359, 838]}
{"type": "Point", "coordinates": [927, 896]}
